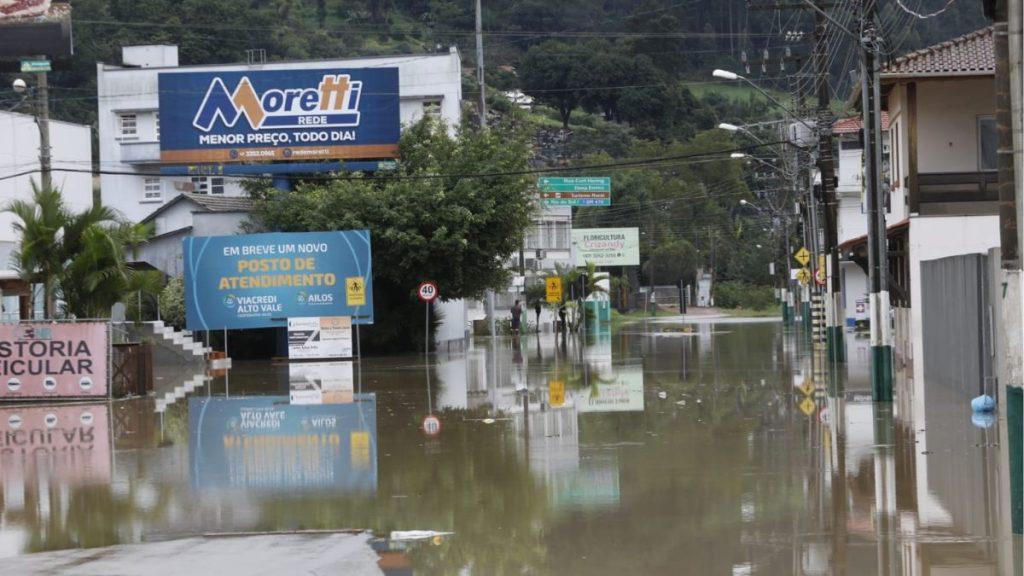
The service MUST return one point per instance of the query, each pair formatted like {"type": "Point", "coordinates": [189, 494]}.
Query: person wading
{"type": "Point", "coordinates": [517, 312]}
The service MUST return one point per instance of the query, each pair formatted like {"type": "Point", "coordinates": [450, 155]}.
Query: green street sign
{"type": "Point", "coordinates": [575, 184]}
{"type": "Point", "coordinates": [35, 65]}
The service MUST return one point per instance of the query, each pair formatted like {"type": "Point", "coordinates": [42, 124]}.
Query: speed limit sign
{"type": "Point", "coordinates": [427, 291]}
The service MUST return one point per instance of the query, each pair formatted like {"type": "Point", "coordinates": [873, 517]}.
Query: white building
{"type": "Point", "coordinates": [71, 160]}
{"type": "Point", "coordinates": [129, 136]}
{"type": "Point", "coordinates": [129, 116]}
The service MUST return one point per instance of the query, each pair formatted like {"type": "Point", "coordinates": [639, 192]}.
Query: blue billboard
{"type": "Point", "coordinates": [260, 280]}
{"type": "Point", "coordinates": [265, 443]}
{"type": "Point", "coordinates": [278, 115]}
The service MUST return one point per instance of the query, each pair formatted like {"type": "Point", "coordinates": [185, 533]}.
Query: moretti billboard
{"type": "Point", "coordinates": [278, 115]}
{"type": "Point", "coordinates": [260, 280]}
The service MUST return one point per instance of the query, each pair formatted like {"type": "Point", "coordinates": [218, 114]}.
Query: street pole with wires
{"type": "Point", "coordinates": [881, 337]}
{"type": "Point", "coordinates": [834, 309]}
{"type": "Point", "coordinates": [491, 324]}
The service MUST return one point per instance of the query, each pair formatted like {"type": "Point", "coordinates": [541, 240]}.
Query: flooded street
{"type": "Point", "coordinates": [713, 447]}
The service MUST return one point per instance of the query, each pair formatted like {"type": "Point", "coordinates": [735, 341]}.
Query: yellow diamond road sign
{"type": "Point", "coordinates": [803, 256]}
{"type": "Point", "coordinates": [807, 387]}
{"type": "Point", "coordinates": [807, 406]}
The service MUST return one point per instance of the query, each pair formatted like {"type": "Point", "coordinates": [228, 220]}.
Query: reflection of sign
{"type": "Point", "coordinates": [807, 406]}
{"type": "Point", "coordinates": [431, 425]}
{"type": "Point", "coordinates": [65, 444]}
{"type": "Point", "coordinates": [58, 360]}
{"type": "Point", "coordinates": [556, 393]}
{"type": "Point", "coordinates": [355, 291]}
{"type": "Point", "coordinates": [553, 289]}
{"type": "Point", "coordinates": [623, 393]}
{"type": "Point", "coordinates": [320, 337]}
{"type": "Point", "coordinates": [320, 383]}
{"type": "Point", "coordinates": [273, 115]}
{"type": "Point", "coordinates": [260, 280]}
{"type": "Point", "coordinates": [607, 246]}
{"type": "Point", "coordinates": [807, 387]}
{"type": "Point", "coordinates": [580, 191]}
{"type": "Point", "coordinates": [803, 256]}
{"type": "Point", "coordinates": [265, 443]}
{"type": "Point", "coordinates": [803, 275]}
{"type": "Point", "coordinates": [427, 291]}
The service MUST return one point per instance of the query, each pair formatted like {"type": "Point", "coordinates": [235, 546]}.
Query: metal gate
{"type": "Point", "coordinates": [956, 322]}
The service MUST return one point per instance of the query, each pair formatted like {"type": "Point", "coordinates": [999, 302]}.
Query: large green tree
{"type": "Point", "coordinates": [454, 211]}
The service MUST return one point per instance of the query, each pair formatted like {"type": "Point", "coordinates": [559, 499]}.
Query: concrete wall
{"type": "Point", "coordinates": [71, 148]}
{"type": "Point", "coordinates": [422, 78]}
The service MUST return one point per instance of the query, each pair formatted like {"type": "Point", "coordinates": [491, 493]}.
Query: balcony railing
{"type": "Point", "coordinates": [140, 152]}
{"type": "Point", "coordinates": [957, 187]}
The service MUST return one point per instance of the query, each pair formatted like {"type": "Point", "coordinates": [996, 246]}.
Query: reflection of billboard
{"type": "Point", "coordinates": [606, 246]}
{"type": "Point", "coordinates": [265, 443]}
{"type": "Point", "coordinates": [268, 115]}
{"type": "Point", "coordinates": [260, 280]}
{"type": "Point", "coordinates": [320, 382]}
{"type": "Point", "coordinates": [70, 445]}
{"type": "Point", "coordinates": [624, 392]}
{"type": "Point", "coordinates": [33, 28]}
{"type": "Point", "coordinates": [594, 485]}
{"type": "Point", "coordinates": [53, 360]}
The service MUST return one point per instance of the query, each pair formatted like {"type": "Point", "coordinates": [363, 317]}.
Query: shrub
{"type": "Point", "coordinates": [734, 294]}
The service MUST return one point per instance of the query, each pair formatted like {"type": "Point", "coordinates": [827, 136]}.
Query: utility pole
{"type": "Point", "coordinates": [491, 324]}
{"type": "Point", "coordinates": [43, 121]}
{"type": "Point", "coordinates": [878, 266]}
{"type": "Point", "coordinates": [834, 312]}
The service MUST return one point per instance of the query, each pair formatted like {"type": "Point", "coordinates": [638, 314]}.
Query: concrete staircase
{"type": "Point", "coordinates": [182, 340]}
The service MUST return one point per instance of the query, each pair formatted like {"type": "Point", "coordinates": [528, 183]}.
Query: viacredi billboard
{"type": "Point", "coordinates": [260, 280]}
{"type": "Point", "coordinates": [273, 115]}
{"type": "Point", "coordinates": [606, 246]}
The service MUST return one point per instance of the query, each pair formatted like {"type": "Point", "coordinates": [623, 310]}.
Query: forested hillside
{"type": "Point", "coordinates": [634, 43]}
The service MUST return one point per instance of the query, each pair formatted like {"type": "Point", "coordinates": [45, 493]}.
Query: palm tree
{"type": "Point", "coordinates": [81, 254]}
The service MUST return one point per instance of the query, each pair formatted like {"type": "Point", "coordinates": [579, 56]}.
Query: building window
{"type": "Point", "coordinates": [156, 125]}
{"type": "Point", "coordinates": [432, 108]}
{"type": "Point", "coordinates": [988, 143]}
{"type": "Point", "coordinates": [152, 190]}
{"type": "Point", "coordinates": [205, 185]}
{"type": "Point", "coordinates": [128, 126]}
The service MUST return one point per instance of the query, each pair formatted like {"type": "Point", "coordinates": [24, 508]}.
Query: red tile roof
{"type": "Point", "coordinates": [854, 124]}
{"type": "Point", "coordinates": [970, 54]}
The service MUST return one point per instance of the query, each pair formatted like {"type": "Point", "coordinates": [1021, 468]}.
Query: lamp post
{"type": "Point", "coordinates": [42, 117]}
{"type": "Point", "coordinates": [727, 75]}
{"type": "Point", "coordinates": [736, 128]}
{"type": "Point", "coordinates": [781, 270]}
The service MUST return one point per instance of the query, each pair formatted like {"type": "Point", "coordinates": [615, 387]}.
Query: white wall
{"type": "Point", "coordinates": [938, 237]}
{"type": "Point", "coordinates": [422, 78]}
{"type": "Point", "coordinates": [70, 147]}
{"type": "Point", "coordinates": [947, 112]}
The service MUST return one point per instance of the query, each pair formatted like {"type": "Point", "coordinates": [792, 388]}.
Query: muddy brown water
{"type": "Point", "coordinates": [663, 448]}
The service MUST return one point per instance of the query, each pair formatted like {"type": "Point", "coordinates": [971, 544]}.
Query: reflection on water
{"type": "Point", "coordinates": [712, 448]}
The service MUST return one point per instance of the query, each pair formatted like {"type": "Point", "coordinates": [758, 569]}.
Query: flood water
{"type": "Point", "coordinates": [716, 447]}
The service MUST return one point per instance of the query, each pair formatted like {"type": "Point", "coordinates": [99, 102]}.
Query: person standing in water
{"type": "Point", "coordinates": [536, 311]}
{"type": "Point", "coordinates": [517, 312]}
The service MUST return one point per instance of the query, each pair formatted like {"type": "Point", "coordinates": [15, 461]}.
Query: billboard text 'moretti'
{"type": "Point", "coordinates": [259, 280]}
{"type": "Point", "coordinates": [277, 115]}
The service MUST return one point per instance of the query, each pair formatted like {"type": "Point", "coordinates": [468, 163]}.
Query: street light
{"type": "Point", "coordinates": [744, 155]}
{"type": "Point", "coordinates": [727, 75]}
{"type": "Point", "coordinates": [734, 128]}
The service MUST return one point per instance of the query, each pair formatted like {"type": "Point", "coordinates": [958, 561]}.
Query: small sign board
{"type": "Point", "coordinates": [803, 256]}
{"type": "Point", "coordinates": [37, 65]}
{"type": "Point", "coordinates": [431, 425]}
{"type": "Point", "coordinates": [553, 289]}
{"type": "Point", "coordinates": [804, 276]}
{"type": "Point", "coordinates": [355, 291]}
{"type": "Point", "coordinates": [807, 406]}
{"type": "Point", "coordinates": [556, 393]}
{"type": "Point", "coordinates": [427, 291]}
{"type": "Point", "coordinates": [320, 337]}
{"type": "Point", "coordinates": [575, 191]}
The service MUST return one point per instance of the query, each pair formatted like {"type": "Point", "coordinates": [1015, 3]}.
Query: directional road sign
{"type": "Point", "coordinates": [575, 191]}
{"type": "Point", "coordinates": [803, 256]}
